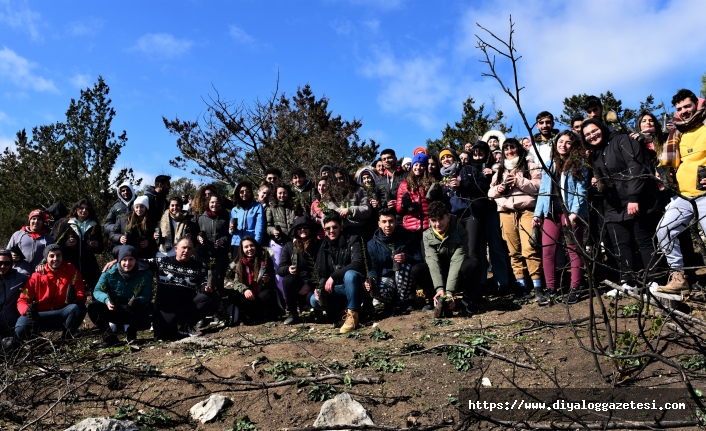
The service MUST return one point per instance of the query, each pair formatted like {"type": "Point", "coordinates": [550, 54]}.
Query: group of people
{"type": "Point", "coordinates": [526, 208]}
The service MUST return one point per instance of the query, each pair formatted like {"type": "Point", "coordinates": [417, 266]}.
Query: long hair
{"type": "Point", "coordinates": [572, 162]}
{"type": "Point", "coordinates": [259, 258]}
{"type": "Point", "coordinates": [658, 139]}
{"type": "Point", "coordinates": [137, 222]}
{"type": "Point", "coordinates": [77, 205]}
{"type": "Point", "coordinates": [521, 165]}
{"type": "Point", "coordinates": [239, 202]}
{"type": "Point", "coordinates": [199, 205]}
{"type": "Point", "coordinates": [304, 245]}
{"type": "Point", "coordinates": [339, 192]}
{"type": "Point", "coordinates": [422, 182]}
{"type": "Point", "coordinates": [288, 203]}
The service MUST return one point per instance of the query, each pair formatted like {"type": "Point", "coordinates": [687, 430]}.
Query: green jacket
{"type": "Point", "coordinates": [282, 217]}
{"type": "Point", "coordinates": [446, 256]}
{"type": "Point", "coordinates": [121, 289]}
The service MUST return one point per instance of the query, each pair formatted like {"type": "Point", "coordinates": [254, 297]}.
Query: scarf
{"type": "Point", "coordinates": [450, 171]}
{"type": "Point", "coordinates": [165, 225]}
{"type": "Point", "coordinates": [34, 235]}
{"type": "Point", "coordinates": [81, 227]}
{"type": "Point", "coordinates": [477, 164]}
{"type": "Point", "coordinates": [511, 164]}
{"type": "Point", "coordinates": [250, 276]}
{"type": "Point", "coordinates": [670, 150]}
{"type": "Point", "coordinates": [211, 214]}
{"type": "Point", "coordinates": [440, 235]}
{"type": "Point", "coordinates": [130, 275]}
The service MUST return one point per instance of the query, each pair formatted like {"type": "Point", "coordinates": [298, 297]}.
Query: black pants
{"type": "Point", "coordinates": [292, 284]}
{"type": "Point", "coordinates": [421, 275]}
{"type": "Point", "coordinates": [182, 309]}
{"type": "Point", "coordinates": [628, 234]}
{"type": "Point", "coordinates": [100, 316]}
{"type": "Point", "coordinates": [263, 306]}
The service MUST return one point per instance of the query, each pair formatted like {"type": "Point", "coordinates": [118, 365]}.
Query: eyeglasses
{"type": "Point", "coordinates": [331, 228]}
{"type": "Point", "coordinates": [242, 192]}
{"type": "Point", "coordinates": [5, 263]}
{"type": "Point", "coordinates": [594, 134]}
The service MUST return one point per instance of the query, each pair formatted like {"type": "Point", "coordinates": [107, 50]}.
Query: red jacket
{"type": "Point", "coordinates": [418, 219]}
{"type": "Point", "coordinates": [49, 289]}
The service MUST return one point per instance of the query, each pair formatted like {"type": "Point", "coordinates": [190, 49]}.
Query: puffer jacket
{"type": "Point", "coordinates": [573, 193]}
{"type": "Point", "coordinates": [49, 289]}
{"type": "Point", "coordinates": [251, 221]}
{"type": "Point", "coordinates": [416, 219]}
{"type": "Point", "coordinates": [12, 285]}
{"type": "Point", "coordinates": [81, 255]}
{"type": "Point", "coordinates": [380, 251]}
{"type": "Point", "coordinates": [471, 193]}
{"type": "Point", "coordinates": [134, 238]}
{"type": "Point", "coordinates": [445, 256]}
{"type": "Point", "coordinates": [358, 206]}
{"type": "Point", "coordinates": [213, 229]}
{"type": "Point", "coordinates": [121, 207]}
{"type": "Point", "coordinates": [33, 249]}
{"type": "Point", "coordinates": [304, 196]}
{"type": "Point", "coordinates": [279, 216]}
{"type": "Point", "coordinates": [523, 194]}
{"type": "Point", "coordinates": [305, 260]}
{"type": "Point", "coordinates": [337, 258]}
{"type": "Point", "coordinates": [122, 290]}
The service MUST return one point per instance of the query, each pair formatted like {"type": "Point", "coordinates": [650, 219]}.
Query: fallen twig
{"type": "Point", "coordinates": [482, 349]}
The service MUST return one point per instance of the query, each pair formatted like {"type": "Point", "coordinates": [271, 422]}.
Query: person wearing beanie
{"type": "Point", "coordinates": [412, 202]}
{"type": "Point", "coordinates": [406, 163]}
{"type": "Point", "coordinates": [366, 177]}
{"type": "Point", "coordinates": [27, 244]}
{"type": "Point", "coordinates": [11, 283]}
{"type": "Point", "coordinates": [121, 297]}
{"type": "Point", "coordinates": [126, 195]}
{"type": "Point", "coordinates": [53, 299]}
{"type": "Point", "coordinates": [134, 229]}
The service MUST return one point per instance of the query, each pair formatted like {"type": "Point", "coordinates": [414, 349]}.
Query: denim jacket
{"type": "Point", "coordinates": [573, 193]}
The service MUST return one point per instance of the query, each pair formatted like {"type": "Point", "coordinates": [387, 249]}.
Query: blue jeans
{"type": "Point", "coordinates": [347, 295]}
{"type": "Point", "coordinates": [677, 216]}
{"type": "Point", "coordinates": [68, 318]}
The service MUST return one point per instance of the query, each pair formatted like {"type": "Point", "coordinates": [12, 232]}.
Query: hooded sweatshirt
{"type": "Point", "coordinates": [121, 207]}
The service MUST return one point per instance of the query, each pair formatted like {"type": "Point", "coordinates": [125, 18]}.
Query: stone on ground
{"type": "Point", "coordinates": [342, 410]}
{"type": "Point", "coordinates": [207, 410]}
{"type": "Point", "coordinates": [103, 424]}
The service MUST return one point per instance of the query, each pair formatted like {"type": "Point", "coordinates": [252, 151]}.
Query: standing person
{"type": "Point", "coordinates": [214, 238]}
{"type": "Point", "coordinates": [349, 200]}
{"type": "Point", "coordinates": [133, 229]}
{"type": "Point", "coordinates": [340, 266]}
{"type": "Point", "coordinates": [622, 173]}
{"type": "Point", "coordinates": [545, 139]}
{"type": "Point", "coordinates": [366, 178]}
{"type": "Point", "coordinates": [53, 300]}
{"type": "Point", "coordinates": [12, 284]}
{"type": "Point", "coordinates": [434, 167]}
{"type": "Point", "coordinates": [273, 176]}
{"type": "Point", "coordinates": [126, 194]}
{"type": "Point", "coordinates": [514, 188]}
{"type": "Point", "coordinates": [379, 168]}
{"type": "Point", "coordinates": [303, 191]}
{"type": "Point", "coordinates": [576, 124]}
{"type": "Point", "coordinates": [186, 203]}
{"type": "Point", "coordinates": [562, 193]}
{"type": "Point", "coordinates": [175, 224]}
{"type": "Point", "coordinates": [464, 157]}
{"type": "Point", "coordinates": [494, 139]}
{"type": "Point", "coordinates": [411, 198]}
{"type": "Point", "coordinates": [393, 252]}
{"type": "Point", "coordinates": [685, 151]}
{"type": "Point", "coordinates": [27, 244]}
{"type": "Point", "coordinates": [247, 218]}
{"type": "Point", "coordinates": [297, 267]}
{"type": "Point", "coordinates": [255, 294]}
{"type": "Point", "coordinates": [280, 219]}
{"type": "Point", "coordinates": [318, 207]}
{"type": "Point", "coordinates": [81, 239]}
{"type": "Point", "coordinates": [387, 184]}
{"type": "Point", "coordinates": [121, 297]}
{"type": "Point", "coordinates": [157, 196]}
{"type": "Point", "coordinates": [199, 204]}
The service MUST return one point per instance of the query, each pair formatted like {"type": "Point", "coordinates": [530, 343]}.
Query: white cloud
{"type": "Point", "coordinates": [162, 45]}
{"type": "Point", "coordinates": [240, 35]}
{"type": "Point", "coordinates": [18, 70]}
{"type": "Point", "coordinates": [80, 80]}
{"type": "Point", "coordinates": [4, 118]}
{"type": "Point", "coordinates": [6, 143]}
{"type": "Point", "coordinates": [24, 18]}
{"type": "Point", "coordinates": [85, 27]}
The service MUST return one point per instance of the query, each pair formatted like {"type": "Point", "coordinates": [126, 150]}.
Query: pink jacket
{"type": "Point", "coordinates": [524, 193]}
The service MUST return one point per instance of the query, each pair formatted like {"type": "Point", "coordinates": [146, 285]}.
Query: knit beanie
{"type": "Point", "coordinates": [419, 150]}
{"type": "Point", "coordinates": [420, 158]}
{"type": "Point", "coordinates": [142, 200]}
{"type": "Point", "coordinates": [127, 250]}
{"type": "Point", "coordinates": [38, 213]}
{"type": "Point", "coordinates": [448, 152]}
{"type": "Point", "coordinates": [5, 252]}
{"type": "Point", "coordinates": [50, 248]}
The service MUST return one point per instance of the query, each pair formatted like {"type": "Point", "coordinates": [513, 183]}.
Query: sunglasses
{"type": "Point", "coordinates": [5, 263]}
{"type": "Point", "coordinates": [331, 228]}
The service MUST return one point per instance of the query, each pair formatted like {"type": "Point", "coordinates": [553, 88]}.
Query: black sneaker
{"type": "Point", "coordinates": [468, 307]}
{"type": "Point", "coordinates": [292, 320]}
{"type": "Point", "coordinates": [572, 297]}
{"type": "Point", "coordinates": [109, 341]}
{"type": "Point", "coordinates": [440, 307]}
{"type": "Point", "coordinates": [541, 298]}
{"type": "Point", "coordinates": [188, 331]}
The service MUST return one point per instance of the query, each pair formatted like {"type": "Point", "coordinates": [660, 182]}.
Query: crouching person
{"type": "Point", "coordinates": [393, 251]}
{"type": "Point", "coordinates": [447, 264]}
{"type": "Point", "coordinates": [255, 293]}
{"type": "Point", "coordinates": [121, 297]}
{"type": "Point", "coordinates": [12, 283]}
{"type": "Point", "coordinates": [340, 266]}
{"type": "Point", "coordinates": [53, 299]}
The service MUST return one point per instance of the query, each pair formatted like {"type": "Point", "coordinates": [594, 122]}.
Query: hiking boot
{"type": "Point", "coordinates": [677, 284]}
{"type": "Point", "coordinates": [573, 296]}
{"type": "Point", "coordinates": [468, 307]}
{"type": "Point", "coordinates": [440, 307]}
{"type": "Point", "coordinates": [292, 319]}
{"type": "Point", "coordinates": [523, 293]}
{"type": "Point", "coordinates": [188, 331]}
{"type": "Point", "coordinates": [350, 323]}
{"type": "Point", "coordinates": [540, 296]}
{"type": "Point", "coordinates": [109, 341]}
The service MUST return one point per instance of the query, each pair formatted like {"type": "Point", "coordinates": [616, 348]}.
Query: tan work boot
{"type": "Point", "coordinates": [350, 323]}
{"type": "Point", "coordinates": [676, 284]}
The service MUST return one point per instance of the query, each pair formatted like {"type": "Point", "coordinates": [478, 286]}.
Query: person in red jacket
{"type": "Point", "coordinates": [411, 200]}
{"type": "Point", "coordinates": [53, 299]}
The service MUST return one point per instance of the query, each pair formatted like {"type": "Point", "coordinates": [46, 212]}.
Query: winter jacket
{"type": "Point", "coordinates": [248, 221]}
{"type": "Point", "coordinates": [523, 194]}
{"type": "Point", "coordinates": [241, 286]}
{"type": "Point", "coordinates": [213, 229]}
{"type": "Point", "coordinates": [158, 204]}
{"type": "Point", "coordinates": [278, 215]}
{"type": "Point", "coordinates": [304, 196]}
{"type": "Point", "coordinates": [337, 258]}
{"type": "Point", "coordinates": [387, 186]}
{"type": "Point", "coordinates": [358, 206]}
{"type": "Point", "coordinates": [33, 249]}
{"type": "Point", "coordinates": [445, 256]}
{"type": "Point", "coordinates": [123, 290]}
{"type": "Point", "coordinates": [306, 261]}
{"type": "Point", "coordinates": [624, 172]}
{"type": "Point", "coordinates": [49, 289]}
{"type": "Point", "coordinates": [472, 192]}
{"type": "Point", "coordinates": [134, 238]}
{"type": "Point", "coordinates": [573, 193]}
{"type": "Point", "coordinates": [169, 238]}
{"type": "Point", "coordinates": [121, 207]}
{"type": "Point", "coordinates": [380, 251]}
{"type": "Point", "coordinates": [81, 255]}
{"type": "Point", "coordinates": [10, 288]}
{"type": "Point", "coordinates": [415, 219]}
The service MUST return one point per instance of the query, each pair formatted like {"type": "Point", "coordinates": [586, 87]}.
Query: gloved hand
{"type": "Point", "coordinates": [407, 203]}
{"type": "Point", "coordinates": [435, 193]}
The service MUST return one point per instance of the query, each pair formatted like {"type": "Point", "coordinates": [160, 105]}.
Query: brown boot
{"type": "Point", "coordinates": [350, 323]}
{"type": "Point", "coordinates": [677, 283]}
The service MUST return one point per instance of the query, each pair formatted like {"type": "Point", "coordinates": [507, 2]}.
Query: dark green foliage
{"type": "Point", "coordinates": [243, 424]}
{"type": "Point", "coordinates": [380, 335]}
{"type": "Point", "coordinates": [573, 106]}
{"type": "Point", "coordinates": [319, 392]}
{"type": "Point", "coordinates": [474, 123]}
{"type": "Point", "coordinates": [694, 362]}
{"type": "Point", "coordinates": [233, 141]}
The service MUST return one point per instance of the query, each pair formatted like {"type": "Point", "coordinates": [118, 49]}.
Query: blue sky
{"type": "Point", "coordinates": [404, 67]}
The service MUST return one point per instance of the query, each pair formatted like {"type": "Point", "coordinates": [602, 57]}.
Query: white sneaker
{"type": "Point", "coordinates": [375, 302]}
{"type": "Point", "coordinates": [612, 293]}
{"type": "Point", "coordinates": [631, 289]}
{"type": "Point", "coordinates": [113, 327]}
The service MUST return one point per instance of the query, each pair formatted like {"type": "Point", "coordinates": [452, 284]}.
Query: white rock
{"type": "Point", "coordinates": [342, 410]}
{"type": "Point", "coordinates": [207, 410]}
{"type": "Point", "coordinates": [486, 382]}
{"type": "Point", "coordinates": [103, 424]}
